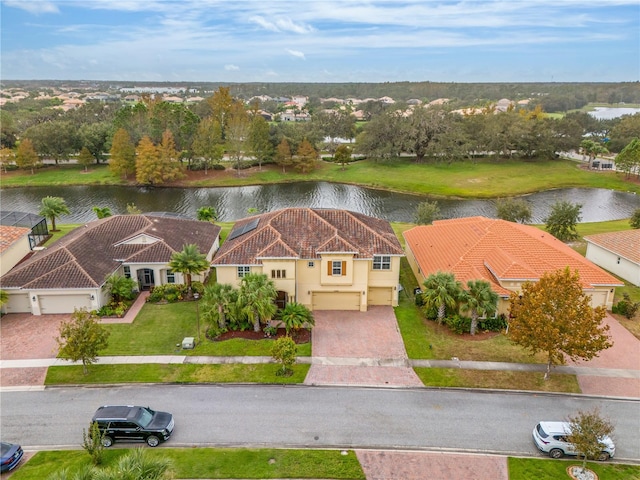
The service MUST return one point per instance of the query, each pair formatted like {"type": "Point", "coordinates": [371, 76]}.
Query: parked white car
{"type": "Point", "coordinates": [551, 438]}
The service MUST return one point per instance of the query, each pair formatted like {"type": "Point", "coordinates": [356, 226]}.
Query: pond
{"type": "Point", "coordinates": [607, 113]}
{"type": "Point", "coordinates": [233, 203]}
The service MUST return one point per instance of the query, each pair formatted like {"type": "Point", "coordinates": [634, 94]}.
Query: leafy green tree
{"type": "Point", "coordinates": [132, 209]}
{"type": "Point", "coordinates": [7, 157]}
{"type": "Point", "coordinates": [592, 149]}
{"type": "Point", "coordinates": [220, 104]}
{"type": "Point", "coordinates": [189, 262]}
{"type": "Point", "coordinates": [588, 428]}
{"type": "Point", "coordinates": [515, 210]}
{"type": "Point", "coordinates": [634, 221]}
{"type": "Point", "coordinates": [555, 316]}
{"type": "Point", "coordinates": [82, 338]}
{"type": "Point", "coordinates": [295, 316]}
{"type": "Point", "coordinates": [56, 139]}
{"type": "Point", "coordinates": [216, 303]}
{"type": "Point", "coordinates": [207, 143]}
{"type": "Point", "coordinates": [427, 212]}
{"type": "Point", "coordinates": [95, 136]}
{"type": "Point", "coordinates": [257, 299]}
{"type": "Point", "coordinates": [85, 158]}
{"type": "Point", "coordinates": [305, 158]}
{"type": "Point", "coordinates": [562, 221]}
{"type": "Point", "coordinates": [342, 155]}
{"type": "Point", "coordinates": [123, 154]}
{"type": "Point", "coordinates": [480, 300]}
{"type": "Point", "coordinates": [284, 351]}
{"type": "Point", "coordinates": [283, 155]}
{"type": "Point", "coordinates": [92, 442]}
{"type": "Point", "coordinates": [628, 160]}
{"type": "Point", "coordinates": [52, 208]}
{"type": "Point", "coordinates": [441, 291]}
{"type": "Point", "coordinates": [382, 137]}
{"type": "Point", "coordinates": [102, 212]}
{"type": "Point", "coordinates": [207, 214]}
{"type": "Point", "coordinates": [423, 127]}
{"type": "Point", "coordinates": [120, 287]}
{"type": "Point", "coordinates": [26, 155]}
{"type": "Point", "coordinates": [238, 128]}
{"type": "Point", "coordinates": [259, 141]}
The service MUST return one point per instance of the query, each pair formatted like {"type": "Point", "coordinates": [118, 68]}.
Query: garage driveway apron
{"type": "Point", "coordinates": [359, 348]}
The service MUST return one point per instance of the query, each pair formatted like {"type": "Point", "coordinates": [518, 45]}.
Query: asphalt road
{"type": "Point", "coordinates": [302, 416]}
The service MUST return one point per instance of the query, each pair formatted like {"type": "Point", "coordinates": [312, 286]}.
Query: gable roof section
{"type": "Point", "coordinates": [306, 233]}
{"type": "Point", "coordinates": [496, 250]}
{"type": "Point", "coordinates": [88, 254]}
{"type": "Point", "coordinates": [10, 235]}
{"type": "Point", "coordinates": [624, 244]}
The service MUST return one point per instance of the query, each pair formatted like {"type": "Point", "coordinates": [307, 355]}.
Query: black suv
{"type": "Point", "coordinates": [133, 423]}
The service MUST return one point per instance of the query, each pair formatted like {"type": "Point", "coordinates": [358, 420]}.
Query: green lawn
{"type": "Point", "coordinates": [547, 469]}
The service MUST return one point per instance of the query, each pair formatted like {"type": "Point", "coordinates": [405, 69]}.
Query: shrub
{"type": "Point", "coordinates": [458, 324]}
{"type": "Point", "coordinates": [214, 331]}
{"type": "Point", "coordinates": [92, 443]}
{"type": "Point", "coordinates": [284, 352]}
{"type": "Point", "coordinates": [496, 324]}
{"type": "Point", "coordinates": [626, 307]}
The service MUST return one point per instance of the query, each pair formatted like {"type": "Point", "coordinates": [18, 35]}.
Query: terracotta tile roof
{"type": "Point", "coordinates": [10, 235]}
{"type": "Point", "coordinates": [306, 233]}
{"type": "Point", "coordinates": [624, 244]}
{"type": "Point", "coordinates": [88, 254]}
{"type": "Point", "coordinates": [481, 248]}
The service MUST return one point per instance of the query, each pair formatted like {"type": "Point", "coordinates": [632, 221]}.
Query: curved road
{"type": "Point", "coordinates": [303, 416]}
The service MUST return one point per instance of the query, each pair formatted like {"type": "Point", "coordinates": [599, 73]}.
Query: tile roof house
{"type": "Point", "coordinates": [503, 253]}
{"type": "Point", "coordinates": [14, 246]}
{"type": "Point", "coordinates": [71, 273]}
{"type": "Point", "coordinates": [617, 252]}
{"type": "Point", "coordinates": [326, 259]}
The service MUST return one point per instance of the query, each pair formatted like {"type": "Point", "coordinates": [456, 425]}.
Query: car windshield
{"type": "Point", "coordinates": [5, 448]}
{"type": "Point", "coordinates": [541, 432]}
{"type": "Point", "coordinates": [144, 417]}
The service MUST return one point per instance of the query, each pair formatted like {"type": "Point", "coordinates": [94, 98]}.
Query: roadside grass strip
{"type": "Point", "coordinates": [530, 468]}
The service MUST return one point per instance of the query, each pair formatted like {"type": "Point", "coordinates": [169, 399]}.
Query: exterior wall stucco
{"type": "Point", "coordinates": [614, 263]}
{"type": "Point", "coordinates": [14, 253]}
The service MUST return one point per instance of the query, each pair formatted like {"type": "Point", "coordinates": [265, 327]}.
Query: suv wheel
{"type": "Point", "coordinates": [556, 453]}
{"type": "Point", "coordinates": [153, 441]}
{"type": "Point", "coordinates": [603, 457]}
{"type": "Point", "coordinates": [107, 441]}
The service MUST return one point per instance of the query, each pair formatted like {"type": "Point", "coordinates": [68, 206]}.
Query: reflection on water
{"type": "Point", "coordinates": [233, 203]}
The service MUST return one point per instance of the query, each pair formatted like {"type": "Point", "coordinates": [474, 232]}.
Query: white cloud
{"type": "Point", "coordinates": [35, 7]}
{"type": "Point", "coordinates": [296, 53]}
{"type": "Point", "coordinates": [281, 25]}
{"type": "Point", "coordinates": [230, 67]}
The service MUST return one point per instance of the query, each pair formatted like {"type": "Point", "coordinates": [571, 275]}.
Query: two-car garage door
{"type": "Point", "coordinates": [335, 300]}
{"type": "Point", "coordinates": [63, 303]}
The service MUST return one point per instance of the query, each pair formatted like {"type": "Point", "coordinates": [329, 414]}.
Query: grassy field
{"type": "Point", "coordinates": [530, 468]}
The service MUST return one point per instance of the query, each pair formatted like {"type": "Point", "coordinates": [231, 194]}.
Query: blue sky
{"type": "Point", "coordinates": [321, 41]}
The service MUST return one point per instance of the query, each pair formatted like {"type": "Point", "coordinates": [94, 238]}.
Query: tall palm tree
{"type": "Point", "coordinates": [215, 303]}
{"type": "Point", "coordinates": [295, 315]}
{"type": "Point", "coordinates": [52, 208]}
{"type": "Point", "coordinates": [257, 298]}
{"type": "Point", "coordinates": [189, 262]}
{"type": "Point", "coordinates": [479, 299]}
{"type": "Point", "coordinates": [441, 290]}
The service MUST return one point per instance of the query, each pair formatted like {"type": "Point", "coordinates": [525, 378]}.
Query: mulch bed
{"type": "Point", "coordinates": [299, 336]}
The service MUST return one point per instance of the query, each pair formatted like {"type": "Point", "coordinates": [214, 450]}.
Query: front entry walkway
{"type": "Point", "coordinates": [359, 348]}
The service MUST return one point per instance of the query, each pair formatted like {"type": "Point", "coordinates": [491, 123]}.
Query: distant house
{"type": "Point", "coordinates": [617, 252]}
{"type": "Point", "coordinates": [326, 259]}
{"type": "Point", "coordinates": [505, 254]}
{"type": "Point", "coordinates": [14, 246]}
{"type": "Point", "coordinates": [72, 272]}
{"type": "Point", "coordinates": [293, 116]}
{"type": "Point", "coordinates": [39, 231]}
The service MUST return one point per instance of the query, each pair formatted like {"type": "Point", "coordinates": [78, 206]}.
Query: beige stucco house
{"type": "Point", "coordinates": [72, 272]}
{"type": "Point", "coordinates": [14, 246]}
{"type": "Point", "coordinates": [505, 254]}
{"type": "Point", "coordinates": [617, 252]}
{"type": "Point", "coordinates": [325, 259]}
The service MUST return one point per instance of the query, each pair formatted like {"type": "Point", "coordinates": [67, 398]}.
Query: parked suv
{"type": "Point", "coordinates": [133, 424]}
{"type": "Point", "coordinates": [551, 438]}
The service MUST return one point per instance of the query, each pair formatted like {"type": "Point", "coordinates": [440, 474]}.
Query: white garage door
{"type": "Point", "coordinates": [380, 296]}
{"type": "Point", "coordinates": [63, 303]}
{"type": "Point", "coordinates": [18, 303]}
{"type": "Point", "coordinates": [336, 301]}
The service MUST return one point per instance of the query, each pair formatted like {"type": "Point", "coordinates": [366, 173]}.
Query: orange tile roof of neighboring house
{"type": "Point", "coordinates": [306, 233]}
{"type": "Point", "coordinates": [625, 244]}
{"type": "Point", "coordinates": [9, 235]}
{"type": "Point", "coordinates": [481, 248]}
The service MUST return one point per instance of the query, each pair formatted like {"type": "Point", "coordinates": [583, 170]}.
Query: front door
{"type": "Point", "coordinates": [146, 279]}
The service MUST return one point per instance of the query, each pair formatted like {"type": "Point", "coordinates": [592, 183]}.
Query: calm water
{"type": "Point", "coordinates": [607, 113]}
{"type": "Point", "coordinates": [233, 203]}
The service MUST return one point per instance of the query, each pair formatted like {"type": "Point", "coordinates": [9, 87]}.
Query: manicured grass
{"type": "Point", "coordinates": [534, 381]}
{"type": "Point", "coordinates": [61, 175]}
{"type": "Point", "coordinates": [62, 230]}
{"type": "Point", "coordinates": [213, 463]}
{"type": "Point", "coordinates": [174, 373]}
{"type": "Point", "coordinates": [543, 469]}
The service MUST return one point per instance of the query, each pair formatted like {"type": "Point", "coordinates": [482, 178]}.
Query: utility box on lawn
{"type": "Point", "coordinates": [188, 343]}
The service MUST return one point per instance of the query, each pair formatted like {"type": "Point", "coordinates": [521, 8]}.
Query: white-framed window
{"type": "Point", "coordinates": [382, 262]}
{"type": "Point", "coordinates": [127, 271]}
{"type": "Point", "coordinates": [278, 274]}
{"type": "Point", "coordinates": [310, 264]}
{"type": "Point", "coordinates": [336, 268]}
{"type": "Point", "coordinates": [243, 271]}
{"type": "Point", "coordinates": [171, 276]}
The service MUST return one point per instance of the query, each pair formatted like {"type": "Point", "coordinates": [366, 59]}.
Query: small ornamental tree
{"type": "Point", "coordinates": [588, 428]}
{"type": "Point", "coordinates": [515, 210]}
{"type": "Point", "coordinates": [479, 300]}
{"type": "Point", "coordinates": [427, 212]}
{"type": "Point", "coordinates": [85, 158]}
{"type": "Point", "coordinates": [52, 208]}
{"type": "Point", "coordinates": [562, 221]}
{"type": "Point", "coordinates": [92, 442]}
{"type": "Point", "coordinates": [284, 352]}
{"type": "Point", "coordinates": [441, 291]}
{"type": "Point", "coordinates": [82, 337]}
{"type": "Point", "coordinates": [189, 262]}
{"type": "Point", "coordinates": [342, 155]}
{"type": "Point", "coordinates": [207, 214]}
{"type": "Point", "coordinates": [102, 212]}
{"type": "Point", "coordinates": [555, 316]}
{"type": "Point", "coordinates": [283, 157]}
{"type": "Point", "coordinates": [634, 221]}
{"type": "Point", "coordinates": [295, 316]}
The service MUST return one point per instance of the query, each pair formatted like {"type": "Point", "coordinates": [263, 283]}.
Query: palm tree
{"type": "Point", "coordinates": [480, 300]}
{"type": "Point", "coordinates": [215, 303]}
{"type": "Point", "coordinates": [295, 315]}
{"type": "Point", "coordinates": [52, 208]}
{"type": "Point", "coordinates": [257, 298]}
{"type": "Point", "coordinates": [120, 287]}
{"type": "Point", "coordinates": [207, 214]}
{"type": "Point", "coordinates": [189, 262]}
{"type": "Point", "coordinates": [441, 290]}
{"type": "Point", "coordinates": [102, 212]}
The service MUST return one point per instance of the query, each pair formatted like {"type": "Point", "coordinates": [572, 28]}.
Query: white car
{"type": "Point", "coordinates": [551, 438]}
